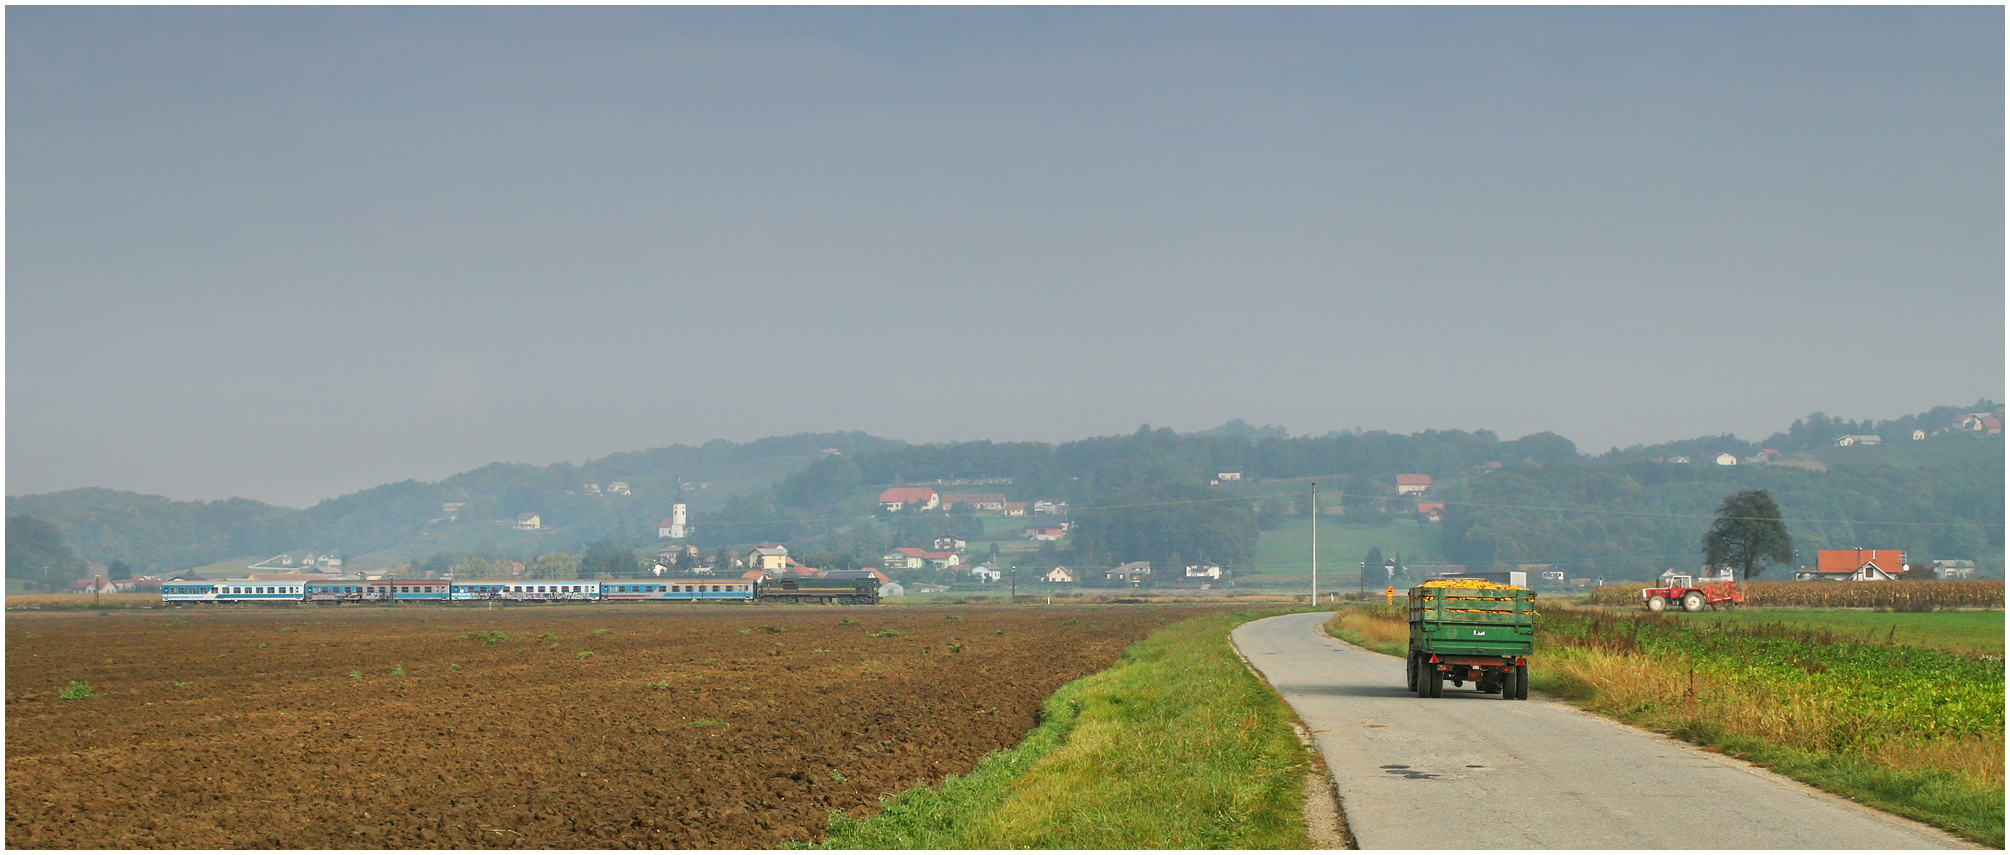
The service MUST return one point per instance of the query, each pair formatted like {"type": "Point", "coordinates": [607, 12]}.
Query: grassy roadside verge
{"type": "Point", "coordinates": [1178, 746]}
{"type": "Point", "coordinates": [1917, 732]}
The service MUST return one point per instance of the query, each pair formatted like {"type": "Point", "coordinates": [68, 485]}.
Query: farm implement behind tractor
{"type": "Point", "coordinates": [1691, 593]}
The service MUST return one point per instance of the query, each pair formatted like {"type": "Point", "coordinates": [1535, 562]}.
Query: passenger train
{"type": "Point", "coordinates": [850, 587]}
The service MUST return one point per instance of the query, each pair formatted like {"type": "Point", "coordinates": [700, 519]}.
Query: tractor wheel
{"type": "Point", "coordinates": [1692, 601]}
{"type": "Point", "coordinates": [1410, 673]}
{"type": "Point", "coordinates": [1521, 682]}
{"type": "Point", "coordinates": [1507, 683]}
{"type": "Point", "coordinates": [1657, 603]}
{"type": "Point", "coordinates": [1434, 683]}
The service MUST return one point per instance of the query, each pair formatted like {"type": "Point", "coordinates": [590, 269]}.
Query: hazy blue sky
{"type": "Point", "coordinates": [287, 253]}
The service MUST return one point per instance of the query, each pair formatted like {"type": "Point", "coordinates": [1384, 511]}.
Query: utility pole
{"type": "Point", "coordinates": [1315, 543]}
{"type": "Point", "coordinates": [1015, 584]}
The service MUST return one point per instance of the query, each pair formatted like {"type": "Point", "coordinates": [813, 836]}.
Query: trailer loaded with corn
{"type": "Point", "coordinates": [1466, 630]}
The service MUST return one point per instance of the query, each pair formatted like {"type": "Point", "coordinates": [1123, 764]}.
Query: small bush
{"type": "Point", "coordinates": [286, 629]}
{"type": "Point", "coordinates": [453, 666]}
{"type": "Point", "coordinates": [837, 776]}
{"type": "Point", "coordinates": [889, 633]}
{"type": "Point", "coordinates": [848, 622]}
{"type": "Point", "coordinates": [488, 637]}
{"type": "Point", "coordinates": [78, 692]}
{"type": "Point", "coordinates": [660, 684]}
{"type": "Point", "coordinates": [355, 675]}
{"type": "Point", "coordinates": [711, 722]}
{"type": "Point", "coordinates": [955, 648]}
{"type": "Point", "coordinates": [584, 655]}
{"type": "Point", "coordinates": [596, 633]}
{"type": "Point", "coordinates": [952, 617]}
{"type": "Point", "coordinates": [181, 685]}
{"type": "Point", "coordinates": [397, 670]}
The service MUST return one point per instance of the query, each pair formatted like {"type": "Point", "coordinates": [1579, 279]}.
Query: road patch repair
{"type": "Point", "coordinates": [1533, 775]}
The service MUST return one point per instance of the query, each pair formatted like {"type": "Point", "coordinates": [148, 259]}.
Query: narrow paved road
{"type": "Point", "coordinates": [1471, 771]}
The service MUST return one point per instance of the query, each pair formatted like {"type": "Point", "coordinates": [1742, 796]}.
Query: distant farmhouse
{"type": "Point", "coordinates": [1412, 484]}
{"type": "Point", "coordinates": [528, 522]}
{"type": "Point", "coordinates": [1856, 565]}
{"type": "Point", "coordinates": [919, 498]}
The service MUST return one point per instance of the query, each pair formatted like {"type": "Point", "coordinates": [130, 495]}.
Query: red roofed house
{"type": "Point", "coordinates": [1856, 565]}
{"type": "Point", "coordinates": [915, 558]}
{"type": "Point", "coordinates": [1412, 483]}
{"type": "Point", "coordinates": [921, 498]}
{"type": "Point", "coordinates": [1432, 511]}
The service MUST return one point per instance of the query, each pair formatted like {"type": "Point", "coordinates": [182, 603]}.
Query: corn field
{"type": "Point", "coordinates": [1918, 596]}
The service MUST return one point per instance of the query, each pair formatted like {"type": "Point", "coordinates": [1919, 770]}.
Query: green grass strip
{"type": "Point", "coordinates": [1179, 746]}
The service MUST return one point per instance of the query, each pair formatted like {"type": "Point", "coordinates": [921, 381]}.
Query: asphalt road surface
{"type": "Point", "coordinates": [1472, 771]}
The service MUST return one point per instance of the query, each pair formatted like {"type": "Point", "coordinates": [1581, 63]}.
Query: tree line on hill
{"type": "Point", "coordinates": [1137, 496]}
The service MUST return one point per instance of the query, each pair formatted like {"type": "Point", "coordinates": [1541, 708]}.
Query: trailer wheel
{"type": "Point", "coordinates": [1434, 683]}
{"type": "Point", "coordinates": [1521, 682]}
{"type": "Point", "coordinates": [1410, 673]}
{"type": "Point", "coordinates": [1657, 603]}
{"type": "Point", "coordinates": [1692, 601]}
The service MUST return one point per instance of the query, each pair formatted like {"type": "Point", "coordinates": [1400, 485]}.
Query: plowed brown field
{"type": "Point", "coordinates": [359, 727]}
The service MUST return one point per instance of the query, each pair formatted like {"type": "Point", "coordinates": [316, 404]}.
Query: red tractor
{"type": "Point", "coordinates": [1715, 589]}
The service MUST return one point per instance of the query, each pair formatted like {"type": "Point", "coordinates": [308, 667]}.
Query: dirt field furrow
{"type": "Point", "coordinates": [579, 726]}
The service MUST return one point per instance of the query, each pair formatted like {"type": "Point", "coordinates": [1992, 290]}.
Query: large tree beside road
{"type": "Point", "coordinates": [1748, 534]}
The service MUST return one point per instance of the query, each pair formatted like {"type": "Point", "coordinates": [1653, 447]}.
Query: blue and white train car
{"type": "Point", "coordinates": [347, 591]}
{"type": "Point", "coordinates": [188, 592]}
{"type": "Point", "coordinates": [710, 589]}
{"type": "Point", "coordinates": [254, 591]}
{"type": "Point", "coordinates": [403, 590]}
{"type": "Point", "coordinates": [552, 590]}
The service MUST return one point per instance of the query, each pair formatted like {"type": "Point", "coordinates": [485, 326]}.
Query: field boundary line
{"type": "Point", "coordinates": [1325, 817]}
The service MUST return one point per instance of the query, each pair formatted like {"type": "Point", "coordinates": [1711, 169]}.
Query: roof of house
{"type": "Point", "coordinates": [1427, 507]}
{"type": "Point", "coordinates": [526, 516]}
{"type": "Point", "coordinates": [666, 523]}
{"type": "Point", "coordinates": [1134, 567]}
{"type": "Point", "coordinates": [1844, 561]}
{"type": "Point", "coordinates": [1413, 480]}
{"type": "Point", "coordinates": [918, 552]}
{"type": "Point", "coordinates": [907, 495]}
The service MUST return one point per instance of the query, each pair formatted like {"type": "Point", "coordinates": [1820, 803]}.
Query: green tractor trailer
{"type": "Point", "coordinates": [1479, 634]}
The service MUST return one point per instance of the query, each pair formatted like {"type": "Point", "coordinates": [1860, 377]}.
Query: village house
{"type": "Point", "coordinates": [452, 507]}
{"type": "Point", "coordinates": [591, 489]}
{"type": "Point", "coordinates": [1918, 434]}
{"type": "Point", "coordinates": [528, 522]}
{"type": "Point", "coordinates": [951, 544]}
{"type": "Point", "coordinates": [920, 498]}
{"type": "Point", "coordinates": [1679, 458]}
{"type": "Point", "coordinates": [1046, 532]}
{"type": "Point", "coordinates": [986, 574]}
{"type": "Point", "coordinates": [1133, 572]}
{"type": "Point", "coordinates": [916, 558]}
{"type": "Point", "coordinates": [1859, 439]}
{"type": "Point", "coordinates": [974, 501]}
{"type": "Point", "coordinates": [1059, 576]}
{"type": "Point", "coordinates": [617, 488]}
{"type": "Point", "coordinates": [1412, 484]}
{"type": "Point", "coordinates": [1015, 509]}
{"type": "Point", "coordinates": [1045, 507]}
{"type": "Point", "coordinates": [1725, 458]}
{"type": "Point", "coordinates": [1856, 565]}
{"type": "Point", "coordinates": [1953, 568]}
{"type": "Point", "coordinates": [768, 556]}
{"type": "Point", "coordinates": [1228, 476]}
{"type": "Point", "coordinates": [1203, 571]}
{"type": "Point", "coordinates": [1432, 511]}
